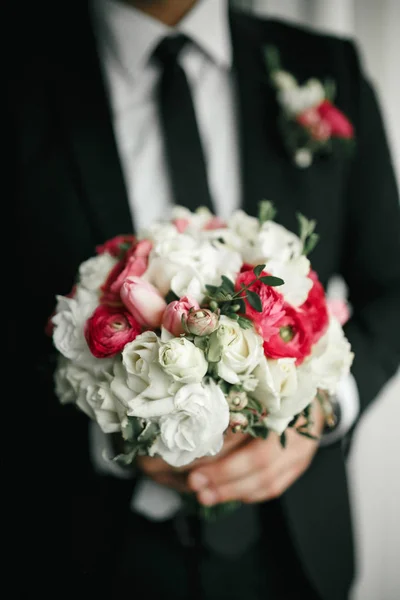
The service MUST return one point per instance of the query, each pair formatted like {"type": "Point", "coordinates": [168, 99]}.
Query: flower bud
{"type": "Point", "coordinates": [175, 314]}
{"type": "Point", "coordinates": [200, 322]}
{"type": "Point", "coordinates": [237, 400]}
{"type": "Point", "coordinates": [237, 422]}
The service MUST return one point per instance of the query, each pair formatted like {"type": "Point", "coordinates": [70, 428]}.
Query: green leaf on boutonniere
{"type": "Point", "coordinates": [272, 59]}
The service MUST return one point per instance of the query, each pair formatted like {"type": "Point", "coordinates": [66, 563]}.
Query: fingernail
{"type": "Point", "coordinates": [207, 497]}
{"type": "Point", "coordinates": [198, 481]}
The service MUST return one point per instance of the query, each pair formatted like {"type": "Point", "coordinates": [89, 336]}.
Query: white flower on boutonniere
{"type": "Point", "coordinates": [310, 123]}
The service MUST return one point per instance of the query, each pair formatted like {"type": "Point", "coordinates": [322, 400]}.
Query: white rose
{"type": "Point", "coordinates": [194, 426]}
{"type": "Point", "coordinates": [168, 256]}
{"type": "Point", "coordinates": [244, 226]}
{"type": "Point", "coordinates": [241, 351]}
{"type": "Point", "coordinates": [213, 261]}
{"type": "Point", "coordinates": [158, 232]}
{"type": "Point", "coordinates": [141, 371]}
{"type": "Point", "coordinates": [183, 361]}
{"type": "Point", "coordinates": [294, 273]}
{"type": "Point", "coordinates": [331, 357]}
{"type": "Point", "coordinates": [272, 242]}
{"type": "Point", "coordinates": [196, 220]}
{"type": "Point", "coordinates": [69, 323]}
{"type": "Point", "coordinates": [284, 390]}
{"type": "Point", "coordinates": [94, 271]}
{"type": "Point", "coordinates": [75, 385]}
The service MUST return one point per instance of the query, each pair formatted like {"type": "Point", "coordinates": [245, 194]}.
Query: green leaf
{"type": "Point", "coordinates": [272, 280]}
{"type": "Point", "coordinates": [211, 289]}
{"type": "Point", "coordinates": [266, 211]}
{"type": "Point", "coordinates": [227, 284]}
{"type": "Point", "coordinates": [258, 270]}
{"type": "Point", "coordinates": [245, 323]}
{"type": "Point", "coordinates": [310, 243]}
{"type": "Point", "coordinates": [254, 300]}
{"type": "Point", "coordinates": [126, 459]}
{"type": "Point", "coordinates": [272, 58]}
{"type": "Point", "coordinates": [171, 297]}
{"type": "Point", "coordinates": [307, 434]}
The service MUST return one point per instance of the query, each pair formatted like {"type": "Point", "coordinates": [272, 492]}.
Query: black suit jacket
{"type": "Point", "coordinates": [68, 194]}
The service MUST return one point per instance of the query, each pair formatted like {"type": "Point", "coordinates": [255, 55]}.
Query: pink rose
{"type": "Point", "coordinates": [265, 322]}
{"type": "Point", "coordinates": [109, 329]}
{"type": "Point", "coordinates": [294, 336]}
{"type": "Point", "coordinates": [339, 124]}
{"type": "Point", "coordinates": [118, 245]}
{"type": "Point", "coordinates": [143, 301]}
{"type": "Point", "coordinates": [316, 309]}
{"type": "Point", "coordinates": [172, 317]}
{"type": "Point", "coordinates": [340, 309]}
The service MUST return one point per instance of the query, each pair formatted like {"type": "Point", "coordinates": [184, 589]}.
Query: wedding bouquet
{"type": "Point", "coordinates": [197, 326]}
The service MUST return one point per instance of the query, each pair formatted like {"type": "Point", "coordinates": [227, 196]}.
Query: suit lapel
{"type": "Point", "coordinates": [266, 170]}
{"type": "Point", "coordinates": [87, 126]}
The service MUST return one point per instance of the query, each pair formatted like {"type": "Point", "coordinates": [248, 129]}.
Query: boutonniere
{"type": "Point", "coordinates": [310, 123]}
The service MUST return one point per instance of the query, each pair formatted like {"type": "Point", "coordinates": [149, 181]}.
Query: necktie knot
{"type": "Point", "coordinates": [167, 51]}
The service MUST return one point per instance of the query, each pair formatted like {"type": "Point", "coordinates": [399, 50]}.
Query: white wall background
{"type": "Point", "coordinates": [374, 465]}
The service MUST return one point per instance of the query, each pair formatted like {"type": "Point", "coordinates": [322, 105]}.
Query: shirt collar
{"type": "Point", "coordinates": [132, 35]}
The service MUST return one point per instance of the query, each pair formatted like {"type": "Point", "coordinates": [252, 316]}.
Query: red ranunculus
{"type": "Point", "coordinates": [316, 309]}
{"type": "Point", "coordinates": [265, 322]}
{"type": "Point", "coordinates": [118, 245]}
{"type": "Point", "coordinates": [109, 329]}
{"type": "Point", "coordinates": [294, 337]}
{"type": "Point", "coordinates": [339, 124]}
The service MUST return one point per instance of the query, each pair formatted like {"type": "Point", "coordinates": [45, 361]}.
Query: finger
{"type": "Point", "coordinates": [273, 487]}
{"type": "Point", "coordinates": [234, 490]}
{"type": "Point", "coordinates": [240, 463]}
{"type": "Point", "coordinates": [153, 465]}
{"type": "Point", "coordinates": [174, 481]}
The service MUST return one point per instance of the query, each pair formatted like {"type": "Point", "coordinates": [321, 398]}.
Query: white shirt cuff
{"type": "Point", "coordinates": [348, 398]}
{"type": "Point", "coordinates": [101, 454]}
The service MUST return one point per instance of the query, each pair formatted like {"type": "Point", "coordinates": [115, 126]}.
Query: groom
{"type": "Point", "coordinates": [110, 123]}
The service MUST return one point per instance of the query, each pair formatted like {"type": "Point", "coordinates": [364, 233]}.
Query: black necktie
{"type": "Point", "coordinates": [183, 148]}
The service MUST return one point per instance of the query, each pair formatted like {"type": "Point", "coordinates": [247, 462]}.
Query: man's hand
{"type": "Point", "coordinates": [176, 478]}
{"type": "Point", "coordinates": [257, 470]}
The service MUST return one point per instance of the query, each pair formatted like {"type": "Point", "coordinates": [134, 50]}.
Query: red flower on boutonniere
{"type": "Point", "coordinates": [310, 122]}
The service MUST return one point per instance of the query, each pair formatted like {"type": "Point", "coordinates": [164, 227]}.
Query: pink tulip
{"type": "Point", "coordinates": [172, 318]}
{"type": "Point", "coordinates": [143, 301]}
{"type": "Point", "coordinates": [136, 262]}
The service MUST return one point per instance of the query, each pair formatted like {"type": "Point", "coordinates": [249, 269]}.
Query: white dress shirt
{"type": "Point", "coordinates": [126, 39]}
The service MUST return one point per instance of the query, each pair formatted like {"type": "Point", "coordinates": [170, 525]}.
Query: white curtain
{"type": "Point", "coordinates": [374, 466]}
